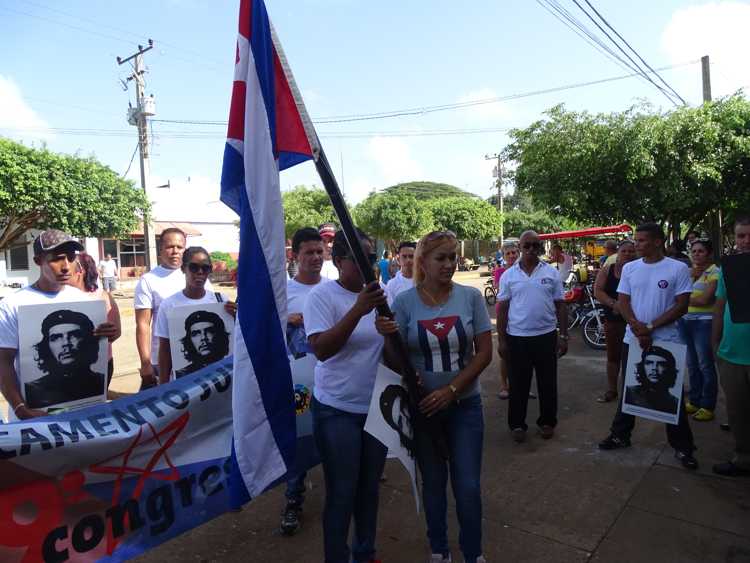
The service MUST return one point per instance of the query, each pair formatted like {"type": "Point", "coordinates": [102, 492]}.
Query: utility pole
{"type": "Point", "coordinates": [137, 116]}
{"type": "Point", "coordinates": [714, 218]}
{"type": "Point", "coordinates": [498, 173]}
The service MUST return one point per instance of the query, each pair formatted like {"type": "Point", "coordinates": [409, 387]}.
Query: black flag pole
{"type": "Point", "coordinates": [416, 392]}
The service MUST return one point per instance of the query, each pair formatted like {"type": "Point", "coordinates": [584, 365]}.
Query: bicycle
{"type": "Point", "coordinates": [490, 293]}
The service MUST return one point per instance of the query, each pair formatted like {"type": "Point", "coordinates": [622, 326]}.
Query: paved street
{"type": "Point", "coordinates": [551, 501]}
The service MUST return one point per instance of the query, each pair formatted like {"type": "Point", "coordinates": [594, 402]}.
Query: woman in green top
{"type": "Point", "coordinates": [695, 328]}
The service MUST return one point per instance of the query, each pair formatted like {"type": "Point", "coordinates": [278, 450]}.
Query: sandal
{"type": "Point", "coordinates": [607, 397]}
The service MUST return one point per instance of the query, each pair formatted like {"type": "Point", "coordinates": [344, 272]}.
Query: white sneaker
{"type": "Point", "coordinates": [438, 558]}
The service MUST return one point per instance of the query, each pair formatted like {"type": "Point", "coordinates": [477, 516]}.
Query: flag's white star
{"type": "Point", "coordinates": [439, 325]}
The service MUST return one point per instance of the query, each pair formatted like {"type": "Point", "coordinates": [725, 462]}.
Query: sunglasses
{"type": "Point", "coordinates": [203, 268]}
{"type": "Point", "coordinates": [530, 245]}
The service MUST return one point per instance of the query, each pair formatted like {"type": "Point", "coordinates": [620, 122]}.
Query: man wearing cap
{"type": "Point", "coordinates": [327, 231]}
{"type": "Point", "coordinates": [55, 254]}
{"type": "Point", "coordinates": [65, 354]}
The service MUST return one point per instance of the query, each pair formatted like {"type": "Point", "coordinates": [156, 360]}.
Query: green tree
{"type": "Point", "coordinates": [428, 190]}
{"type": "Point", "coordinates": [306, 207]}
{"type": "Point", "coordinates": [42, 189]}
{"type": "Point", "coordinates": [469, 218]}
{"type": "Point", "coordinates": [637, 165]}
{"type": "Point", "coordinates": [393, 217]}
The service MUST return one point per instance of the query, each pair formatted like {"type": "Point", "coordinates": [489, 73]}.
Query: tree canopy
{"type": "Point", "coordinates": [393, 217]}
{"type": "Point", "coordinates": [306, 207]}
{"type": "Point", "coordinates": [637, 165]}
{"type": "Point", "coordinates": [428, 190]}
{"type": "Point", "coordinates": [42, 189]}
{"type": "Point", "coordinates": [469, 218]}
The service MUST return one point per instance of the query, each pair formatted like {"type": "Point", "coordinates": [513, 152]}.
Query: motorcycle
{"type": "Point", "coordinates": [586, 312]}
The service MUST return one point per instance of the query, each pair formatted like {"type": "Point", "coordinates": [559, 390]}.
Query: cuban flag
{"type": "Point", "coordinates": [269, 131]}
{"type": "Point", "coordinates": [437, 337]}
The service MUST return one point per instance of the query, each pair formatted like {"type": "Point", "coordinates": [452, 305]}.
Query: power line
{"type": "Point", "coordinates": [667, 94]}
{"type": "Point", "coordinates": [636, 52]}
{"type": "Point", "coordinates": [132, 157]}
{"type": "Point", "coordinates": [443, 107]}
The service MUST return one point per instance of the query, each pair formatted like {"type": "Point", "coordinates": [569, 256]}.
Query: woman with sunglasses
{"type": "Point", "coordinates": [695, 327]}
{"type": "Point", "coordinates": [339, 321]}
{"type": "Point", "coordinates": [448, 333]}
{"type": "Point", "coordinates": [196, 265]}
{"type": "Point", "coordinates": [605, 291]}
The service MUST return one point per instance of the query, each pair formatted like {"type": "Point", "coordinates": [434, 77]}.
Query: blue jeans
{"type": "Point", "coordinates": [700, 362]}
{"type": "Point", "coordinates": [464, 430]}
{"type": "Point", "coordinates": [353, 463]}
{"type": "Point", "coordinates": [295, 489]}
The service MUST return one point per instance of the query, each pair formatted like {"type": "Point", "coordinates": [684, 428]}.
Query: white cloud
{"type": "Point", "coordinates": [15, 113]}
{"type": "Point", "coordinates": [717, 29]}
{"type": "Point", "coordinates": [394, 160]}
{"type": "Point", "coordinates": [495, 110]}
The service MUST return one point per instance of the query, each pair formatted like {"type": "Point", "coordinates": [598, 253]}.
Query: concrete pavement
{"type": "Point", "coordinates": [553, 501]}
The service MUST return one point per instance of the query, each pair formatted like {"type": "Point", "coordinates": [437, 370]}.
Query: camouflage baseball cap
{"type": "Point", "coordinates": [51, 239]}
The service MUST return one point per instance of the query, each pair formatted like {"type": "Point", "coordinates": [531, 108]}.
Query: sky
{"type": "Point", "coordinates": [60, 83]}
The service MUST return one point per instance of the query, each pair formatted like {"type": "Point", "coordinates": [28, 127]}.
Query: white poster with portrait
{"type": "Point", "coordinates": [388, 420]}
{"type": "Point", "coordinates": [654, 380]}
{"type": "Point", "coordinates": [199, 335]}
{"type": "Point", "coordinates": [62, 364]}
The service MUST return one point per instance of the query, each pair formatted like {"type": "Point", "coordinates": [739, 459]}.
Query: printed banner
{"type": "Point", "coordinates": [110, 481]}
{"type": "Point", "coordinates": [653, 381]}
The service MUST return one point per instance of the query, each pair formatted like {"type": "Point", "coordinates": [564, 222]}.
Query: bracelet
{"type": "Point", "coordinates": [453, 388]}
{"type": "Point", "coordinates": [18, 406]}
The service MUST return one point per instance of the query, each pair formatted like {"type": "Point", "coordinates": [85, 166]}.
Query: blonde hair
{"type": "Point", "coordinates": [427, 244]}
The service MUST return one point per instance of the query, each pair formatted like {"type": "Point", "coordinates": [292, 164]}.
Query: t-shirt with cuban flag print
{"type": "Point", "coordinates": [441, 339]}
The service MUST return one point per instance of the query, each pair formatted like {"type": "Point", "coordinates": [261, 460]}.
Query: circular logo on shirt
{"type": "Point", "coordinates": [546, 281]}
{"type": "Point", "coordinates": [663, 284]}
{"type": "Point", "coordinates": [301, 398]}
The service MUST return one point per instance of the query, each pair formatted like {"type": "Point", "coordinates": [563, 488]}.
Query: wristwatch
{"type": "Point", "coordinates": [650, 327]}
{"type": "Point", "coordinates": [563, 336]}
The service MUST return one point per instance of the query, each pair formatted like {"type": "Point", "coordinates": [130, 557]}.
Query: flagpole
{"type": "Point", "coordinates": [416, 391]}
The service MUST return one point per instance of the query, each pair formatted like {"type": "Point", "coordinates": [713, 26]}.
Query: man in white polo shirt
{"type": "Point", "coordinates": [404, 278]}
{"type": "Point", "coordinates": [530, 307]}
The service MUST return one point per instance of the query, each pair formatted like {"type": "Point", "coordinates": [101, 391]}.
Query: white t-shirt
{"type": "Point", "coordinates": [345, 380]}
{"type": "Point", "coordinates": [296, 294]}
{"type": "Point", "coordinates": [161, 328]}
{"type": "Point", "coordinates": [565, 267]}
{"type": "Point", "coordinates": [109, 268]}
{"type": "Point", "coordinates": [396, 285]}
{"type": "Point", "coordinates": [652, 289]}
{"type": "Point", "coordinates": [329, 270]}
{"type": "Point", "coordinates": [532, 299]}
{"type": "Point", "coordinates": [29, 296]}
{"type": "Point", "coordinates": [153, 288]}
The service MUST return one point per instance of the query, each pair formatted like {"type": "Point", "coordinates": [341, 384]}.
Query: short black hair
{"type": "Point", "coordinates": [340, 247]}
{"type": "Point", "coordinates": [191, 251]}
{"type": "Point", "coordinates": [696, 233]}
{"type": "Point", "coordinates": [305, 234]}
{"type": "Point", "coordinates": [652, 229]}
{"type": "Point", "coordinates": [706, 242]}
{"type": "Point", "coordinates": [406, 244]}
{"type": "Point", "coordinates": [171, 231]}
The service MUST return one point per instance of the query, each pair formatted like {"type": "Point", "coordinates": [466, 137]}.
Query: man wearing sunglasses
{"type": "Point", "coordinates": [154, 287]}
{"type": "Point", "coordinates": [530, 308]}
{"type": "Point", "coordinates": [55, 254]}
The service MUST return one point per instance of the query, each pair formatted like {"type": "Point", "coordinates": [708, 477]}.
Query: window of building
{"type": "Point", "coordinates": [132, 252]}
{"type": "Point", "coordinates": [109, 246]}
{"type": "Point", "coordinates": [18, 257]}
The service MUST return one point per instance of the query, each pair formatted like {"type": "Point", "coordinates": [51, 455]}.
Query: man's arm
{"type": "Point", "coordinates": [717, 323]}
{"type": "Point", "coordinates": [502, 327]}
{"type": "Point", "coordinates": [143, 342]}
{"type": "Point", "coordinates": [165, 361]}
{"type": "Point", "coordinates": [9, 386]}
{"type": "Point", "coordinates": [676, 311]}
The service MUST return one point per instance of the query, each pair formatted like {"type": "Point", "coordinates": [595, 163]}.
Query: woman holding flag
{"type": "Point", "coordinates": [447, 330]}
{"type": "Point", "coordinates": [339, 321]}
